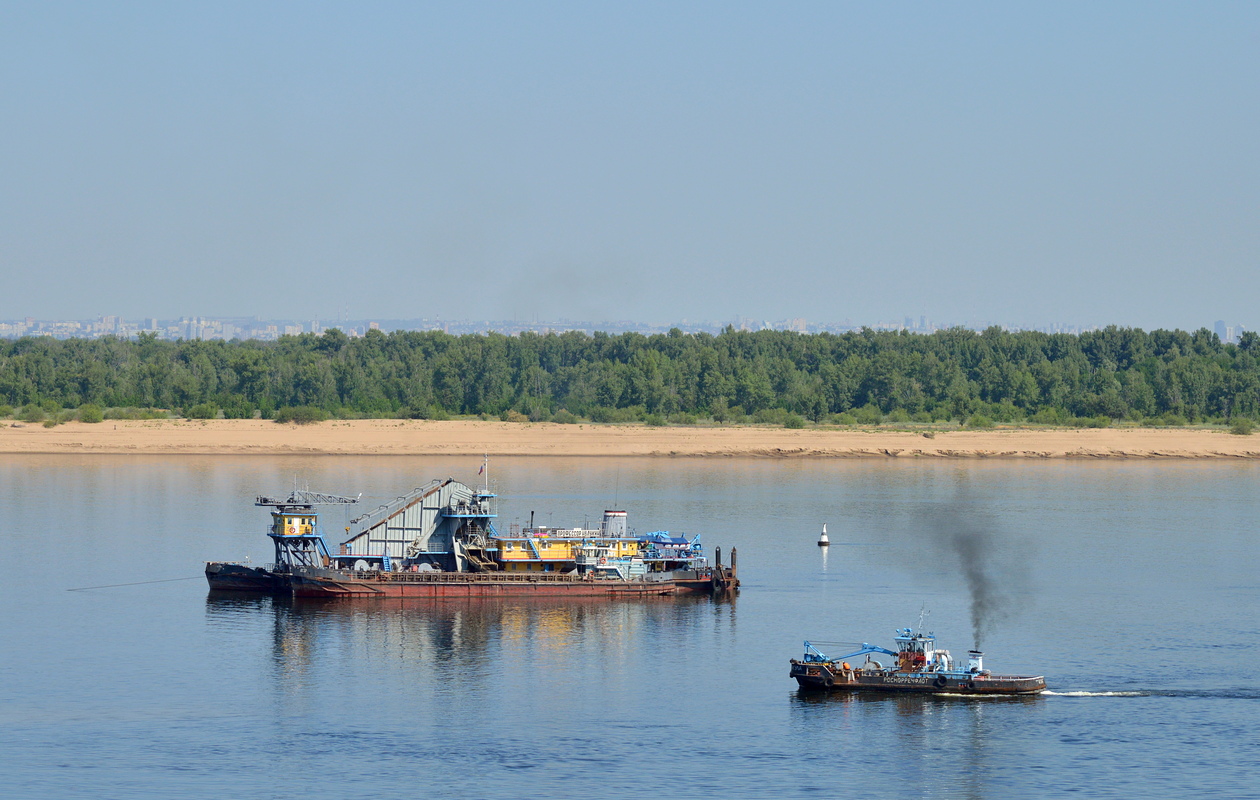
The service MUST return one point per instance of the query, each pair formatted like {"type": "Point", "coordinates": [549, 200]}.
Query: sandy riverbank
{"type": "Point", "coordinates": [415, 437]}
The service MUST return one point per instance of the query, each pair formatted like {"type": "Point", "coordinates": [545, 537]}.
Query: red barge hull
{"type": "Point", "coordinates": [328, 583]}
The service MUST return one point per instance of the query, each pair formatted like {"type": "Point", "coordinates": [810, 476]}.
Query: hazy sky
{"type": "Point", "coordinates": [1014, 162]}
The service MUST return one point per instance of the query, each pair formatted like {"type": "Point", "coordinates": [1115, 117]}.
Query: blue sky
{"type": "Point", "coordinates": [1073, 162]}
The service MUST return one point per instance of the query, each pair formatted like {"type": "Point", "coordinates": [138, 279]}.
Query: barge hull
{"type": "Point", "coordinates": [488, 586]}
{"type": "Point", "coordinates": [308, 582]}
{"type": "Point", "coordinates": [241, 578]}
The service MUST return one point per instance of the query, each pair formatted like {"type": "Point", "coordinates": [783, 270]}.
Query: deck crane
{"type": "Point", "coordinates": [814, 654]}
{"type": "Point", "coordinates": [916, 653]}
{"type": "Point", "coordinates": [295, 528]}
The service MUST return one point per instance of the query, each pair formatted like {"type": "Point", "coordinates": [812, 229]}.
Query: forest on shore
{"type": "Point", "coordinates": [1161, 377]}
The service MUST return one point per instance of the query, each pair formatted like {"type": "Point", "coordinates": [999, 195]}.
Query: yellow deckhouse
{"type": "Point", "coordinates": [543, 549]}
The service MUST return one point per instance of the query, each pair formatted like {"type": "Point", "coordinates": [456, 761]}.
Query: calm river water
{"type": "Point", "coordinates": [1134, 587]}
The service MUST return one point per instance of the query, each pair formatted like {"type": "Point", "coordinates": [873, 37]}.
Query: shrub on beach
{"type": "Point", "coordinates": [202, 411]}
{"type": "Point", "coordinates": [91, 412]}
{"type": "Point", "coordinates": [300, 415]}
{"type": "Point", "coordinates": [868, 414]}
{"type": "Point", "coordinates": [564, 417]}
{"type": "Point", "coordinates": [539, 414]}
{"type": "Point", "coordinates": [412, 412]}
{"type": "Point", "coordinates": [607, 414]}
{"type": "Point", "coordinates": [1242, 426]}
{"type": "Point", "coordinates": [979, 421]}
{"type": "Point", "coordinates": [6, 411]}
{"type": "Point", "coordinates": [32, 413]}
{"type": "Point", "coordinates": [131, 412]}
{"type": "Point", "coordinates": [794, 421]}
{"type": "Point", "coordinates": [771, 416]}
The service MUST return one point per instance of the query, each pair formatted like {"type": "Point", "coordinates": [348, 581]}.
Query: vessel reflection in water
{"type": "Point", "coordinates": [534, 652]}
{"type": "Point", "coordinates": [971, 734]}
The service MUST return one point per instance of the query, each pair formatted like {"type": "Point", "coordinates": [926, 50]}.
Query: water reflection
{"type": "Point", "coordinates": [467, 645]}
{"type": "Point", "coordinates": [944, 744]}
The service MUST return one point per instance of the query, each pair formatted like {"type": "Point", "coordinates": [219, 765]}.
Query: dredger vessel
{"type": "Point", "coordinates": [918, 667]}
{"type": "Point", "coordinates": [440, 540]}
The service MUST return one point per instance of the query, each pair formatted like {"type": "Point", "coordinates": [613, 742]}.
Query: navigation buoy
{"type": "Point", "coordinates": [823, 541]}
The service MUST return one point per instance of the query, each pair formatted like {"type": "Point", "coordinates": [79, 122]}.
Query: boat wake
{"type": "Point", "coordinates": [1223, 694]}
{"type": "Point", "coordinates": [1049, 693]}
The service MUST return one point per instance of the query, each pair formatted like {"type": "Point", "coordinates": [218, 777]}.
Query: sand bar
{"type": "Point", "coordinates": [463, 437]}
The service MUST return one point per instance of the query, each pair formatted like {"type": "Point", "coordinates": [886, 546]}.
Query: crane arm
{"type": "Point", "coordinates": [866, 649]}
{"type": "Point", "coordinates": [814, 654]}
{"type": "Point", "coordinates": [303, 497]}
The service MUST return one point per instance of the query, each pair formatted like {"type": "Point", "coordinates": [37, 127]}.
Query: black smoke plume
{"type": "Point", "coordinates": [993, 563]}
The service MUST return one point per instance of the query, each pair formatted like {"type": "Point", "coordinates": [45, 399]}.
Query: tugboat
{"type": "Point", "coordinates": [919, 667]}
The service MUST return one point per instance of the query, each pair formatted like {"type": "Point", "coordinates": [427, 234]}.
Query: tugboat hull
{"type": "Point", "coordinates": [824, 677]}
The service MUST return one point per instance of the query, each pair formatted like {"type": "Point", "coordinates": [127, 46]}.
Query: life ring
{"type": "Point", "coordinates": [829, 682]}
{"type": "Point", "coordinates": [292, 531]}
{"type": "Point", "coordinates": [603, 561]}
{"type": "Point", "coordinates": [939, 683]}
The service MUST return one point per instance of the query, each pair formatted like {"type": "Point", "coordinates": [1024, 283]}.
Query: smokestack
{"type": "Point", "coordinates": [615, 524]}
{"type": "Point", "coordinates": [975, 662]}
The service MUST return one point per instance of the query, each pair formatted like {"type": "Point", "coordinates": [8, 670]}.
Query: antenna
{"type": "Point", "coordinates": [923, 612]}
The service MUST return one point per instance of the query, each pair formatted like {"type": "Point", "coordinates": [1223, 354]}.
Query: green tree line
{"type": "Point", "coordinates": [867, 376]}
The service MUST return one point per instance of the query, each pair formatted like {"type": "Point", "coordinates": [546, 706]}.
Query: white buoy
{"type": "Point", "coordinates": [823, 541]}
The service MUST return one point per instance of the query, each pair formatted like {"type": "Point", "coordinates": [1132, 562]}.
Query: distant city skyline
{"type": "Point", "coordinates": [203, 327]}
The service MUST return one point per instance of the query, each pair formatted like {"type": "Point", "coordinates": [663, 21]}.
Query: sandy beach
{"type": "Point", "coordinates": [417, 437]}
